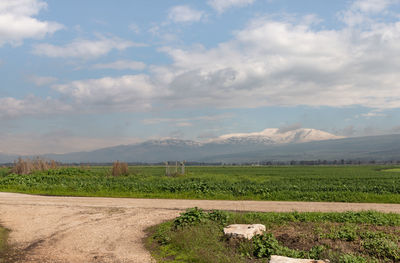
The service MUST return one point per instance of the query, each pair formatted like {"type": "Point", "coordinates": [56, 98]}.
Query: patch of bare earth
{"type": "Point", "coordinates": [79, 234]}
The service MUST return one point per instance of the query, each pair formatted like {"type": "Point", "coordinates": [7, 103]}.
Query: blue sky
{"type": "Point", "coordinates": [80, 75]}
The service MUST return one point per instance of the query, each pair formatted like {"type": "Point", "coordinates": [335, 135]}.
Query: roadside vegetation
{"type": "Point", "coordinates": [3, 244]}
{"type": "Point", "coordinates": [300, 183]}
{"type": "Point", "coordinates": [350, 237]}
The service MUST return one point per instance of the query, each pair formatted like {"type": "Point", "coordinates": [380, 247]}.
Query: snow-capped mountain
{"type": "Point", "coordinates": [176, 149]}
{"type": "Point", "coordinates": [276, 136]}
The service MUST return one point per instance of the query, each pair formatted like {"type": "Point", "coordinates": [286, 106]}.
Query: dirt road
{"type": "Point", "coordinates": [91, 229]}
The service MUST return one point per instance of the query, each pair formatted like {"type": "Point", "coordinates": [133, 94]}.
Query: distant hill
{"type": "Point", "coordinates": [378, 148]}
{"type": "Point", "coordinates": [276, 136]}
{"type": "Point", "coordinates": [269, 145]}
{"type": "Point", "coordinates": [5, 158]}
{"type": "Point", "coordinates": [175, 149]}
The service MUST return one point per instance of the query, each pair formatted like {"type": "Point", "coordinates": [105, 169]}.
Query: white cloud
{"type": "Point", "coordinates": [279, 63]}
{"type": "Point", "coordinates": [31, 106]}
{"type": "Point", "coordinates": [371, 6]}
{"type": "Point", "coordinates": [267, 63]}
{"type": "Point", "coordinates": [360, 11]}
{"type": "Point", "coordinates": [184, 14]}
{"type": "Point", "coordinates": [121, 94]}
{"type": "Point", "coordinates": [17, 21]}
{"type": "Point", "coordinates": [83, 48]}
{"type": "Point", "coordinates": [126, 93]}
{"type": "Point", "coordinates": [222, 5]}
{"type": "Point", "coordinates": [42, 80]}
{"type": "Point", "coordinates": [121, 65]}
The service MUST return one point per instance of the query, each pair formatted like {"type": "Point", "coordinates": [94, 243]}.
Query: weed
{"type": "Point", "coordinates": [265, 245]}
{"type": "Point", "coordinates": [347, 232]}
{"type": "Point", "coordinates": [219, 216]}
{"type": "Point", "coordinates": [119, 168]}
{"type": "Point", "coordinates": [382, 248]}
{"type": "Point", "coordinates": [192, 216]}
{"type": "Point", "coordinates": [28, 166]}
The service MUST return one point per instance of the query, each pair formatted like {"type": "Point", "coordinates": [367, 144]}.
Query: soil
{"type": "Point", "coordinates": [91, 229]}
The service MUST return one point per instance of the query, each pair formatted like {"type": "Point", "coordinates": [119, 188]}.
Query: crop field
{"type": "Point", "coordinates": [302, 183]}
{"type": "Point", "coordinates": [350, 237]}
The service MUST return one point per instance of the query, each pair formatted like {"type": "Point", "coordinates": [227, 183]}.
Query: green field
{"type": "Point", "coordinates": [392, 170]}
{"type": "Point", "coordinates": [305, 183]}
{"type": "Point", "coordinates": [350, 237]}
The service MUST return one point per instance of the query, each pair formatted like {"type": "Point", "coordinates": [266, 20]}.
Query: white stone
{"type": "Point", "coordinates": [280, 259]}
{"type": "Point", "coordinates": [243, 230]}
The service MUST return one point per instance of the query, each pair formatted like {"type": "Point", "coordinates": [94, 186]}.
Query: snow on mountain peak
{"type": "Point", "coordinates": [275, 136]}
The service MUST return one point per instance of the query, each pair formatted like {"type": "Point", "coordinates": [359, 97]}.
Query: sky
{"type": "Point", "coordinates": [81, 75]}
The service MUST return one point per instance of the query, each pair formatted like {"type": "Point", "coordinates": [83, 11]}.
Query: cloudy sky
{"type": "Point", "coordinates": [79, 75]}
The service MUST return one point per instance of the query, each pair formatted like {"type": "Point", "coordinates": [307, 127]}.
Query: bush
{"type": "Point", "coordinates": [382, 248]}
{"type": "Point", "coordinates": [119, 169]}
{"type": "Point", "coordinates": [28, 166]}
{"type": "Point", "coordinates": [219, 216]}
{"type": "Point", "coordinates": [192, 216]}
{"type": "Point", "coordinates": [265, 245]}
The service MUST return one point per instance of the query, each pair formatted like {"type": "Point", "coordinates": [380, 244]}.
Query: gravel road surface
{"type": "Point", "coordinates": [93, 229]}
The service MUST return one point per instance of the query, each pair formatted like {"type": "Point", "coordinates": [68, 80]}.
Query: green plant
{"type": "Point", "coordinates": [349, 258]}
{"type": "Point", "coordinates": [3, 243]}
{"type": "Point", "coordinates": [315, 252]}
{"type": "Point", "coordinates": [161, 234]}
{"type": "Point", "coordinates": [192, 216]}
{"type": "Point", "coordinates": [382, 248]}
{"type": "Point", "coordinates": [265, 245]}
{"type": "Point", "coordinates": [219, 216]}
{"type": "Point", "coordinates": [346, 233]}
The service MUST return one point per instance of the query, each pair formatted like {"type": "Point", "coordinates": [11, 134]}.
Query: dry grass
{"type": "Point", "coordinates": [119, 168]}
{"type": "Point", "coordinates": [27, 166]}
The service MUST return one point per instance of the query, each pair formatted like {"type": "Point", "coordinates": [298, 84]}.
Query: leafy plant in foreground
{"type": "Point", "coordinates": [382, 248]}
{"type": "Point", "coordinates": [192, 216]}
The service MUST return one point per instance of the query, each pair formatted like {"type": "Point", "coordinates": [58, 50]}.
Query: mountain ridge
{"type": "Point", "coordinates": [383, 147]}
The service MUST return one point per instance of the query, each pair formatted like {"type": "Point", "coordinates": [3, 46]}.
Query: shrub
{"type": "Point", "coordinates": [119, 169]}
{"type": "Point", "coordinates": [265, 245]}
{"type": "Point", "coordinates": [192, 216]}
{"type": "Point", "coordinates": [382, 248]}
{"type": "Point", "coordinates": [28, 166]}
{"type": "Point", "coordinates": [219, 216]}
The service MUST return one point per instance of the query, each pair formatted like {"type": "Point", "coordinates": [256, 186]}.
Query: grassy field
{"type": "Point", "coordinates": [305, 183]}
{"type": "Point", "coordinates": [3, 243]}
{"type": "Point", "coordinates": [351, 237]}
